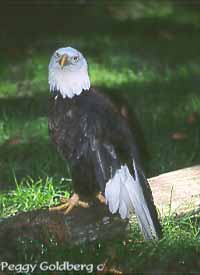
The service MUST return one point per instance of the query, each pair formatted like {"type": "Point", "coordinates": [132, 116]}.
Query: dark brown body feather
{"type": "Point", "coordinates": [96, 140]}
{"type": "Point", "coordinates": [90, 133]}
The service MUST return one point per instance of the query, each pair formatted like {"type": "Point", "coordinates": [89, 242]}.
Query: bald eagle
{"type": "Point", "coordinates": [90, 133]}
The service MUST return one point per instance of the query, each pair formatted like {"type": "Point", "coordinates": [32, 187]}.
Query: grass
{"type": "Point", "coordinates": [152, 63]}
{"type": "Point", "coordinates": [33, 194]}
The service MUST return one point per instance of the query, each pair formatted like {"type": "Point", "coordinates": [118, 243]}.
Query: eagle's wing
{"type": "Point", "coordinates": [118, 171]}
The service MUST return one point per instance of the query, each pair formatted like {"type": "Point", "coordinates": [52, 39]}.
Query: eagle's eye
{"type": "Point", "coordinates": [75, 58]}
{"type": "Point", "coordinates": [57, 55]}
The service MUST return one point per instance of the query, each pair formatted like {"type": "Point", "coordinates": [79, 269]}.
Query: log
{"type": "Point", "coordinates": [177, 191]}
{"type": "Point", "coordinates": [79, 226]}
{"type": "Point", "coordinates": [171, 190]}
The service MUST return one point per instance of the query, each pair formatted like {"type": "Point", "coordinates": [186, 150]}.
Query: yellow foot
{"type": "Point", "coordinates": [68, 204]}
{"type": "Point", "coordinates": [101, 198]}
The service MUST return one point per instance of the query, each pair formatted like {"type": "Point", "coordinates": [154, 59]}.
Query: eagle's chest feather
{"type": "Point", "coordinates": [67, 120]}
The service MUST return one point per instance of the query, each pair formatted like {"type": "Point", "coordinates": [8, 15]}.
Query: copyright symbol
{"type": "Point", "coordinates": [100, 267]}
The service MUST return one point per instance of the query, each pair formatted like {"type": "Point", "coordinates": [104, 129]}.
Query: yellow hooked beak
{"type": "Point", "coordinates": [63, 60]}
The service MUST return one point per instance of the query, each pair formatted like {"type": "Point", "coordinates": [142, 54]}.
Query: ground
{"type": "Point", "coordinates": [153, 63]}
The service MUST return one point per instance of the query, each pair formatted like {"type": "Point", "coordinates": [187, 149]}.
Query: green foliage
{"type": "Point", "coordinates": [8, 89]}
{"type": "Point", "coordinates": [30, 195]}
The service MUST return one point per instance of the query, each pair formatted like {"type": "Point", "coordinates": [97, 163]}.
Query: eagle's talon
{"type": "Point", "coordinates": [68, 204]}
{"type": "Point", "coordinates": [101, 198]}
{"type": "Point", "coordinates": [64, 200]}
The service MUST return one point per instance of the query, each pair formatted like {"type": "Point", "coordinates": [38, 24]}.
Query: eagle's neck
{"type": "Point", "coordinates": [69, 83]}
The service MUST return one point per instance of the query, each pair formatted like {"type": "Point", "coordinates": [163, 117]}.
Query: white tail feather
{"type": "Point", "coordinates": [123, 193]}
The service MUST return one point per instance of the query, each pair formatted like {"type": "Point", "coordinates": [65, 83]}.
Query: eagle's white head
{"type": "Point", "coordinates": [68, 72]}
